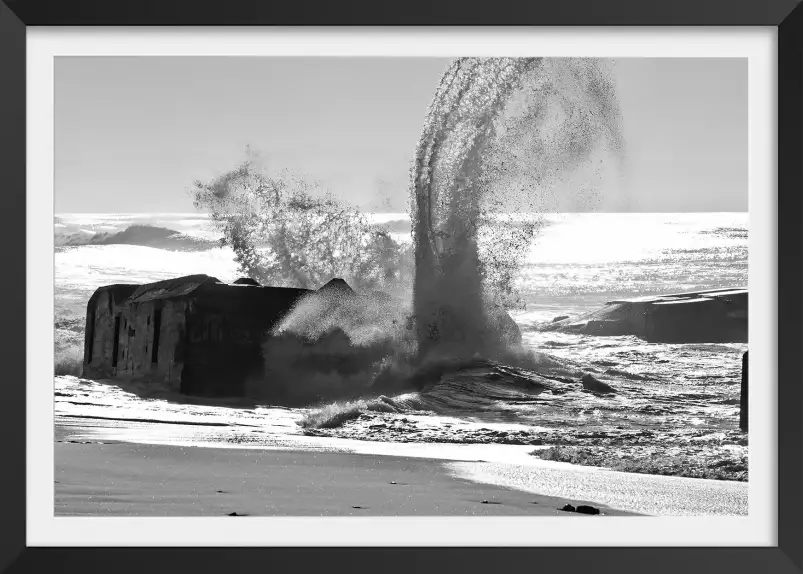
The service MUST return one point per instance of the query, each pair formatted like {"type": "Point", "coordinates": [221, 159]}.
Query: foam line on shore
{"type": "Point", "coordinates": [642, 493]}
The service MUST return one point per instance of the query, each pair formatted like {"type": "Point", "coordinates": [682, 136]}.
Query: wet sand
{"type": "Point", "coordinates": [125, 479]}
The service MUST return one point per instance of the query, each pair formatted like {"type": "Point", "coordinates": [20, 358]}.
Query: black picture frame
{"type": "Point", "coordinates": [16, 15]}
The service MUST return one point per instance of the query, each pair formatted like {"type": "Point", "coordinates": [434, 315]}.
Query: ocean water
{"type": "Point", "coordinates": [670, 398]}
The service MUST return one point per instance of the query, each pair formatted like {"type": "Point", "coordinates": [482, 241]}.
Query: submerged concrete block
{"type": "Point", "coordinates": [743, 396]}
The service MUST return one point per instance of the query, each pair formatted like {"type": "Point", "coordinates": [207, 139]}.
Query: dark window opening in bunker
{"type": "Point", "coordinates": [157, 327]}
{"type": "Point", "coordinates": [116, 345]}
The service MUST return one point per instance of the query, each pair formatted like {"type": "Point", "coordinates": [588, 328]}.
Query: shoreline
{"type": "Point", "coordinates": [129, 479]}
{"type": "Point", "coordinates": [459, 474]}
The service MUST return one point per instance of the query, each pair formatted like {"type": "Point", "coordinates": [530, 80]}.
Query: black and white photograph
{"type": "Point", "coordinates": [324, 286]}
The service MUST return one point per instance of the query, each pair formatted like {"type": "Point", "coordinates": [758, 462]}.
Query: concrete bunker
{"type": "Point", "coordinates": [194, 335]}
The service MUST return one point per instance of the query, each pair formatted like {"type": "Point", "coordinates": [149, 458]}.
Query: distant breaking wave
{"type": "Point", "coordinates": [75, 235]}
{"type": "Point", "coordinates": [144, 235]}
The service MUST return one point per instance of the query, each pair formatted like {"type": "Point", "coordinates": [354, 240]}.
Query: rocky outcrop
{"type": "Point", "coordinates": [716, 316]}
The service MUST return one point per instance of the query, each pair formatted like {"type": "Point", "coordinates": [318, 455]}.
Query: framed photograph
{"type": "Point", "coordinates": [451, 286]}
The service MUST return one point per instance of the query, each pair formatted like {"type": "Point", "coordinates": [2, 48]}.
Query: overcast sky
{"type": "Point", "coordinates": [132, 134]}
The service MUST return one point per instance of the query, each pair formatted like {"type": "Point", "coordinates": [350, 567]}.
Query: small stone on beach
{"type": "Point", "coordinates": [582, 509]}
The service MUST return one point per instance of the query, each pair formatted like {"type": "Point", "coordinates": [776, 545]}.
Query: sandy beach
{"type": "Point", "coordinates": [105, 467]}
{"type": "Point", "coordinates": [126, 479]}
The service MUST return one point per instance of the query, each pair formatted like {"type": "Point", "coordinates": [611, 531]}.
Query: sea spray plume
{"type": "Point", "coordinates": [560, 125]}
{"type": "Point", "coordinates": [367, 318]}
{"type": "Point", "coordinates": [498, 132]}
{"type": "Point", "coordinates": [458, 126]}
{"type": "Point", "coordinates": [563, 119]}
{"type": "Point", "coordinates": [449, 304]}
{"type": "Point", "coordinates": [286, 231]}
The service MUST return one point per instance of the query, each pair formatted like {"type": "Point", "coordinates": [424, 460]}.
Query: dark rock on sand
{"type": "Point", "coordinates": [592, 384]}
{"type": "Point", "coordinates": [560, 318]}
{"type": "Point", "coordinates": [581, 509]}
